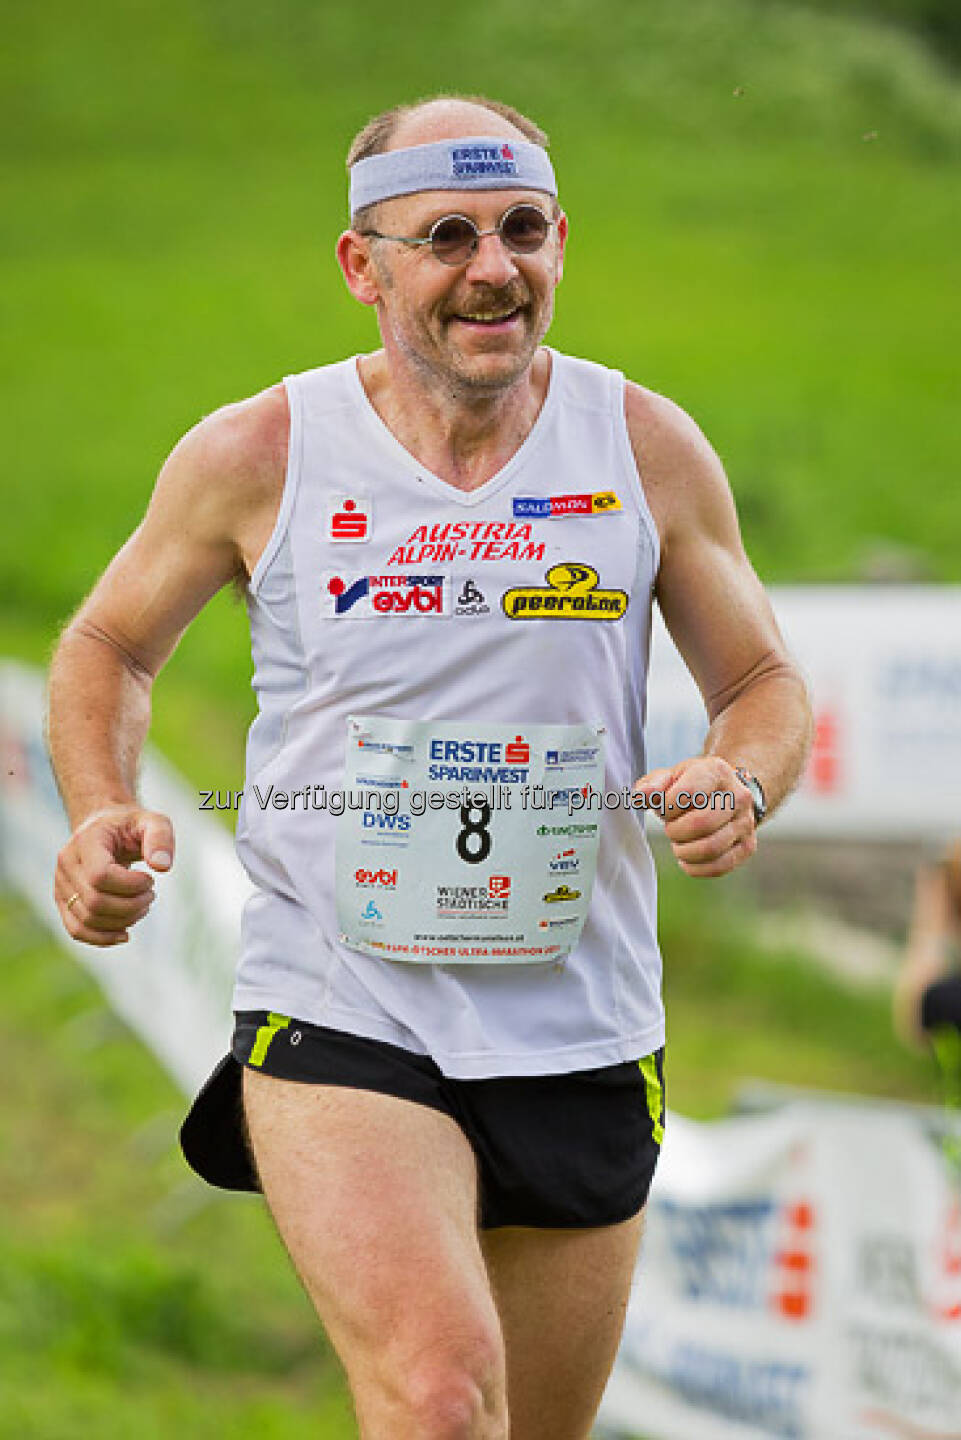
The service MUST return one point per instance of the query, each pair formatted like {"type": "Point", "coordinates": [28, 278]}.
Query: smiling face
{"type": "Point", "coordinates": [477, 325]}
{"type": "Point", "coordinates": [474, 326]}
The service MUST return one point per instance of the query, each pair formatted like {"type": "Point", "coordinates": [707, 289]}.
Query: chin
{"type": "Point", "coordinates": [494, 369]}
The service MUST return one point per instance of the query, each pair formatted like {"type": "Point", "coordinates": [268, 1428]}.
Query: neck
{"type": "Point", "coordinates": [462, 435]}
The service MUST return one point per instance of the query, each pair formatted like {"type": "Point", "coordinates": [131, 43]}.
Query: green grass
{"type": "Point", "coordinates": [135, 1300]}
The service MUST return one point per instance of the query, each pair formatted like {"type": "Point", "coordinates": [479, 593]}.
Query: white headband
{"type": "Point", "coordinates": [479, 162]}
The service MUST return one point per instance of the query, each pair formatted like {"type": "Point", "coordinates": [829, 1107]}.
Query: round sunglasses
{"type": "Point", "coordinates": [453, 239]}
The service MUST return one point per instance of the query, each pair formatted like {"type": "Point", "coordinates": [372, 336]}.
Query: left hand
{"type": "Point", "coordinates": [715, 839]}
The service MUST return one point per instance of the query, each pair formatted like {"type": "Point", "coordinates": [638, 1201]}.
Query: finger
{"type": "Point", "coordinates": [157, 841]}
{"type": "Point", "coordinates": [701, 849]}
{"type": "Point", "coordinates": [724, 864]}
{"type": "Point", "coordinates": [654, 780]}
{"type": "Point", "coordinates": [691, 813]}
{"type": "Point", "coordinates": [104, 905]}
{"type": "Point", "coordinates": [104, 913]}
{"type": "Point", "coordinates": [96, 864]}
{"type": "Point", "coordinates": [76, 928]}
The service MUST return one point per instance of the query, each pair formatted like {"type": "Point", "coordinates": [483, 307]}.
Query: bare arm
{"type": "Point", "coordinates": [721, 621]}
{"type": "Point", "coordinates": [209, 517]}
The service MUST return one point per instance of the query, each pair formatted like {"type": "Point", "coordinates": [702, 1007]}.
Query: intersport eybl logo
{"type": "Point", "coordinates": [374, 595]}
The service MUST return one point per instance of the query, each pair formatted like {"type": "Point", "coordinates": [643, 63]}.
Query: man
{"type": "Point", "coordinates": [449, 1019]}
{"type": "Point", "coordinates": [927, 991]}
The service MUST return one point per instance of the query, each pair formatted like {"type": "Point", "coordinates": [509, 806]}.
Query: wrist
{"type": "Point", "coordinates": [753, 785]}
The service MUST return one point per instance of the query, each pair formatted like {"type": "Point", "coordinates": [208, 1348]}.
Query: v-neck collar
{"type": "Point", "coordinates": [444, 488]}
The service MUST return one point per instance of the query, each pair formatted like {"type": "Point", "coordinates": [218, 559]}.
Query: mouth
{"type": "Point", "coordinates": [489, 321]}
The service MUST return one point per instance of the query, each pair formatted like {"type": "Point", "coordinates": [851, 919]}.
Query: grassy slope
{"type": "Point", "coordinates": [171, 181]}
{"type": "Point", "coordinates": [135, 1300]}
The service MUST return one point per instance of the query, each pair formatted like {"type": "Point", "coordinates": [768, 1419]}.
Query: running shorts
{"type": "Point", "coordinates": [569, 1150]}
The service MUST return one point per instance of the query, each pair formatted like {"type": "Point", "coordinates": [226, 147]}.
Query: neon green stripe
{"type": "Point", "coordinates": [265, 1034]}
{"type": "Point", "coordinates": [648, 1068]}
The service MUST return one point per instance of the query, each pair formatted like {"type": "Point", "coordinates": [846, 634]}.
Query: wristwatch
{"type": "Point", "coordinates": [757, 794]}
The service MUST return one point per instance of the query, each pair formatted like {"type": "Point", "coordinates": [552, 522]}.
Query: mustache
{"type": "Point", "coordinates": [490, 302]}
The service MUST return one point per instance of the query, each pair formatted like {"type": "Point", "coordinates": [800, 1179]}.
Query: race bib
{"type": "Point", "coordinates": [461, 844]}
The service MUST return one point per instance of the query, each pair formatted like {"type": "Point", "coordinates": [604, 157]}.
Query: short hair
{"type": "Point", "coordinates": [376, 135]}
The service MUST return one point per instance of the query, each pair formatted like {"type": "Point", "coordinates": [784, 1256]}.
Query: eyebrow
{"type": "Point", "coordinates": [424, 228]}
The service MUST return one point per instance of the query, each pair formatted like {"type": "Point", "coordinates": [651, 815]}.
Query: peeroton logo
{"type": "Point", "coordinates": [571, 593]}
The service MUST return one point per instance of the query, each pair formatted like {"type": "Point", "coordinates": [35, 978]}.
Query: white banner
{"type": "Point", "coordinates": [884, 666]}
{"type": "Point", "coordinates": [800, 1276]}
{"type": "Point", "coordinates": [173, 981]}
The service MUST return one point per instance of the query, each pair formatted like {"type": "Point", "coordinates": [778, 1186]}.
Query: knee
{"type": "Point", "coordinates": [458, 1398]}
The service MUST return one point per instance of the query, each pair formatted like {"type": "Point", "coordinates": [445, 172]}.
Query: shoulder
{"type": "Point", "coordinates": [243, 440]}
{"type": "Point", "coordinates": [683, 478]}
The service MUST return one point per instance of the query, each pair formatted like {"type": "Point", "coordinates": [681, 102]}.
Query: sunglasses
{"type": "Point", "coordinates": [453, 239]}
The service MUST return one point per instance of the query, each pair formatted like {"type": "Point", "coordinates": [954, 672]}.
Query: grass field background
{"type": "Point", "coordinates": [764, 204]}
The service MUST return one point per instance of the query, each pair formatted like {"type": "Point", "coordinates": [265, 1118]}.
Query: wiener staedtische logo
{"type": "Point", "coordinates": [375, 595]}
{"type": "Point", "coordinates": [571, 593]}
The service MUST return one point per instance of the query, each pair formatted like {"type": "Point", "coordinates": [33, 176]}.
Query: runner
{"type": "Point", "coordinates": [448, 1057]}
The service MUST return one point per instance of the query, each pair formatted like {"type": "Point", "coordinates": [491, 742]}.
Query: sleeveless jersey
{"type": "Point", "coordinates": [384, 591]}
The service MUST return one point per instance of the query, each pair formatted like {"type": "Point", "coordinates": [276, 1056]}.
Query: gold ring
{"type": "Point", "coordinates": [73, 899]}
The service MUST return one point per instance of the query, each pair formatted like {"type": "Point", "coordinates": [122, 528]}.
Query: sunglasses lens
{"type": "Point", "coordinates": [453, 239]}
{"type": "Point", "coordinates": [524, 229]}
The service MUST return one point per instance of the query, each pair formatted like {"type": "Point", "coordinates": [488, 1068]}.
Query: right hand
{"type": "Point", "coordinates": [97, 893]}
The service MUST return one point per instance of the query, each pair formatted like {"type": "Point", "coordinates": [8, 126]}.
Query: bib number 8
{"type": "Point", "coordinates": [473, 843]}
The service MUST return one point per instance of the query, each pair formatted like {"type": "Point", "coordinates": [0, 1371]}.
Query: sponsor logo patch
{"type": "Point", "coordinates": [470, 600]}
{"type": "Point", "coordinates": [464, 900]}
{"type": "Point", "coordinates": [382, 879]}
{"type": "Point", "coordinates": [571, 593]}
{"type": "Point", "coordinates": [467, 161]}
{"type": "Point", "coordinates": [499, 886]}
{"type": "Point", "coordinates": [374, 595]}
{"type": "Point", "coordinates": [371, 914]}
{"type": "Point", "coordinates": [349, 518]}
{"type": "Point", "coordinates": [567, 829]}
{"type": "Point", "coordinates": [581, 755]}
{"type": "Point", "coordinates": [565, 862]}
{"type": "Point", "coordinates": [563, 892]}
{"type": "Point", "coordinates": [554, 507]}
{"type": "Point", "coordinates": [480, 761]}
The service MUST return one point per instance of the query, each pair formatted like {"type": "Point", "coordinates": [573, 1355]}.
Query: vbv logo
{"type": "Point", "coordinates": [382, 879]}
{"type": "Point", "coordinates": [374, 595]}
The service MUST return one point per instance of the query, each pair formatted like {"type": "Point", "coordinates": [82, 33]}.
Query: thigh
{"type": "Point", "coordinates": [375, 1198]}
{"type": "Point", "coordinates": [562, 1296]}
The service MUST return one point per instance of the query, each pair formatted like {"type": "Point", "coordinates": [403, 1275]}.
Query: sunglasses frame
{"type": "Point", "coordinates": [478, 235]}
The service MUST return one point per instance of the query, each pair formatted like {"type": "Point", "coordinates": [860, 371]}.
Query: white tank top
{"type": "Point", "coordinates": [385, 591]}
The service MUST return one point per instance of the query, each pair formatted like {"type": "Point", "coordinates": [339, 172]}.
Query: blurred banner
{"type": "Point", "coordinates": [884, 666]}
{"type": "Point", "coordinates": [172, 982]}
{"type": "Point", "coordinates": [800, 1276]}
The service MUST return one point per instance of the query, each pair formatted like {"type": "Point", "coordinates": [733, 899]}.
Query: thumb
{"type": "Point", "coordinates": [157, 841]}
{"type": "Point", "coordinates": [654, 780]}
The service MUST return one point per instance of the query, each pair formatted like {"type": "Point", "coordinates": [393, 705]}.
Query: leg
{"type": "Point", "coordinates": [562, 1297]}
{"type": "Point", "coordinates": [375, 1199]}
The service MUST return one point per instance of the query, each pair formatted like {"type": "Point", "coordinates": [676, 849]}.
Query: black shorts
{"type": "Point", "coordinates": [575, 1149]}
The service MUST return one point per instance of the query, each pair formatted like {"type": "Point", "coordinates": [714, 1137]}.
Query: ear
{"type": "Point", "coordinates": [353, 257]}
{"type": "Point", "coordinates": [561, 242]}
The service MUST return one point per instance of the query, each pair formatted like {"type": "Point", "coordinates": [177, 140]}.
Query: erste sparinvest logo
{"type": "Point", "coordinates": [468, 160]}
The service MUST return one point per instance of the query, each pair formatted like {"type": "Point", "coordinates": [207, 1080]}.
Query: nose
{"type": "Point", "coordinates": [491, 262]}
